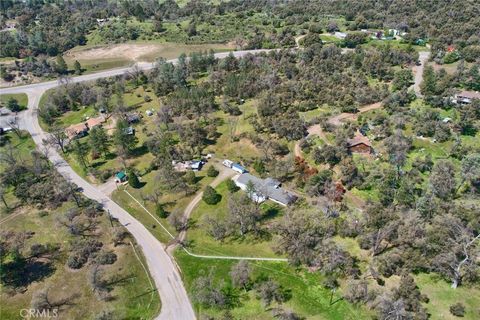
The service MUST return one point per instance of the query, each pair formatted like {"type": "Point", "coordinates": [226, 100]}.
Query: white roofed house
{"type": "Point", "coordinates": [466, 97]}
{"type": "Point", "coordinates": [264, 189]}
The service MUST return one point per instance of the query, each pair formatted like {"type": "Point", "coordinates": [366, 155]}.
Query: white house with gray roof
{"type": "Point", "coordinates": [265, 189]}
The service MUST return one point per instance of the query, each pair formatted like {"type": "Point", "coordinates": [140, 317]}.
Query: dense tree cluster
{"type": "Point", "coordinates": [46, 28]}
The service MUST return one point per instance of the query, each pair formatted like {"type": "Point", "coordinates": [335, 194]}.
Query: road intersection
{"type": "Point", "coordinates": [174, 298]}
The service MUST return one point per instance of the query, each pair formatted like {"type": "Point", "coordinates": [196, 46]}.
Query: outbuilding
{"type": "Point", "coordinates": [120, 177]}
{"type": "Point", "coordinates": [238, 168]}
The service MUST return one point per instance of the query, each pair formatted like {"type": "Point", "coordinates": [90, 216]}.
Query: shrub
{"type": "Point", "coordinates": [42, 213]}
{"type": "Point", "coordinates": [231, 186]}
{"type": "Point", "coordinates": [76, 261]}
{"type": "Point", "coordinates": [210, 196]}
{"type": "Point", "coordinates": [457, 309]}
{"type": "Point", "coordinates": [190, 178]}
{"type": "Point", "coordinates": [212, 172]}
{"type": "Point", "coordinates": [161, 212]}
{"type": "Point", "coordinates": [259, 166]}
{"type": "Point", "coordinates": [106, 257]}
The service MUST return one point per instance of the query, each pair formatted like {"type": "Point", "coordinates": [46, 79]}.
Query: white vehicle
{"type": "Point", "coordinates": [227, 163]}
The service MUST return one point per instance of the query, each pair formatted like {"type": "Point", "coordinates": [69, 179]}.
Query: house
{"type": "Point", "coordinates": [359, 144]}
{"type": "Point", "coordinates": [76, 130]}
{"type": "Point", "coordinates": [421, 42]}
{"type": "Point", "coordinates": [81, 129]}
{"type": "Point", "coordinates": [94, 122]}
{"type": "Point", "coordinates": [340, 35]}
{"type": "Point", "coordinates": [132, 117]}
{"type": "Point", "coordinates": [130, 131]}
{"type": "Point", "coordinates": [120, 177]}
{"type": "Point", "coordinates": [466, 97]}
{"type": "Point", "coordinates": [238, 168]}
{"type": "Point", "coordinates": [264, 189]}
{"type": "Point", "coordinates": [102, 22]}
{"type": "Point", "coordinates": [196, 165]}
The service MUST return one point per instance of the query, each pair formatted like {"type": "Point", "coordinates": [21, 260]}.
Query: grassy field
{"type": "Point", "coordinates": [442, 296]}
{"type": "Point", "coordinates": [229, 145]}
{"type": "Point", "coordinates": [173, 201]}
{"type": "Point", "coordinates": [202, 243]}
{"type": "Point", "coordinates": [133, 297]}
{"type": "Point", "coordinates": [21, 98]}
{"type": "Point", "coordinates": [308, 297]}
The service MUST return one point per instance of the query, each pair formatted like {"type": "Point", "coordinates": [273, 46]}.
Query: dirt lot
{"type": "Point", "coordinates": [137, 51]}
{"type": "Point", "coordinates": [126, 51]}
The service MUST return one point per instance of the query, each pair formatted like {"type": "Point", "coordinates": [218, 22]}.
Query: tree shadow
{"type": "Point", "coordinates": [141, 184]}
{"type": "Point", "coordinates": [98, 164]}
{"type": "Point", "coordinates": [139, 151]}
{"type": "Point", "coordinates": [22, 272]}
{"type": "Point", "coordinates": [271, 213]}
{"type": "Point", "coordinates": [110, 156]}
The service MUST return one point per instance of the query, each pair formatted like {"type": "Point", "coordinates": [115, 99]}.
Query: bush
{"type": "Point", "coordinates": [76, 261]}
{"type": "Point", "coordinates": [457, 309]}
{"type": "Point", "coordinates": [210, 196]}
{"type": "Point", "coordinates": [231, 186]}
{"type": "Point", "coordinates": [106, 257]}
{"type": "Point", "coordinates": [42, 213]}
{"type": "Point", "coordinates": [190, 177]}
{"type": "Point", "coordinates": [212, 172]}
{"type": "Point", "coordinates": [161, 212]}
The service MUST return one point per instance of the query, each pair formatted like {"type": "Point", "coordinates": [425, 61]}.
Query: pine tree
{"type": "Point", "coordinates": [132, 178]}
{"type": "Point", "coordinates": [77, 67]}
{"type": "Point", "coordinates": [99, 140]}
{"type": "Point", "coordinates": [161, 212]}
{"type": "Point", "coordinates": [210, 196]}
{"type": "Point", "coordinates": [61, 66]}
{"type": "Point", "coordinates": [80, 150]}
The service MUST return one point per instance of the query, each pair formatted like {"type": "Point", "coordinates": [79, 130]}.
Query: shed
{"type": "Point", "coordinates": [120, 177]}
{"type": "Point", "coordinates": [238, 168]}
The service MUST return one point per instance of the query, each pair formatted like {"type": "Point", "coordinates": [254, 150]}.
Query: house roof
{"type": "Point", "coordinates": [470, 94]}
{"type": "Point", "coordinates": [92, 122]}
{"type": "Point", "coordinates": [266, 188]}
{"type": "Point", "coordinates": [121, 175]}
{"type": "Point", "coordinates": [75, 129]}
{"type": "Point", "coordinates": [236, 165]}
{"type": "Point", "coordinates": [359, 139]}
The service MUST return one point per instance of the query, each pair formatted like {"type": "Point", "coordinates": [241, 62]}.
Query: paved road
{"type": "Point", "coordinates": [174, 298]}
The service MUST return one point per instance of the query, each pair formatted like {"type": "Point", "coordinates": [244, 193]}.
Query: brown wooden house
{"type": "Point", "coordinates": [360, 144]}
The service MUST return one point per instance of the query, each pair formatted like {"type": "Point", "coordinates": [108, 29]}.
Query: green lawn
{"type": "Point", "coordinates": [21, 98]}
{"type": "Point", "coordinates": [442, 296]}
{"type": "Point", "coordinates": [308, 297]}
{"type": "Point", "coordinates": [173, 201]}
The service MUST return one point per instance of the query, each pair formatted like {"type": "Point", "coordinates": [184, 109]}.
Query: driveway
{"type": "Point", "coordinates": [174, 298]}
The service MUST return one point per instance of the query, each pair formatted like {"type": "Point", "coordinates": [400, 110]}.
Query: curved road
{"type": "Point", "coordinates": [174, 298]}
